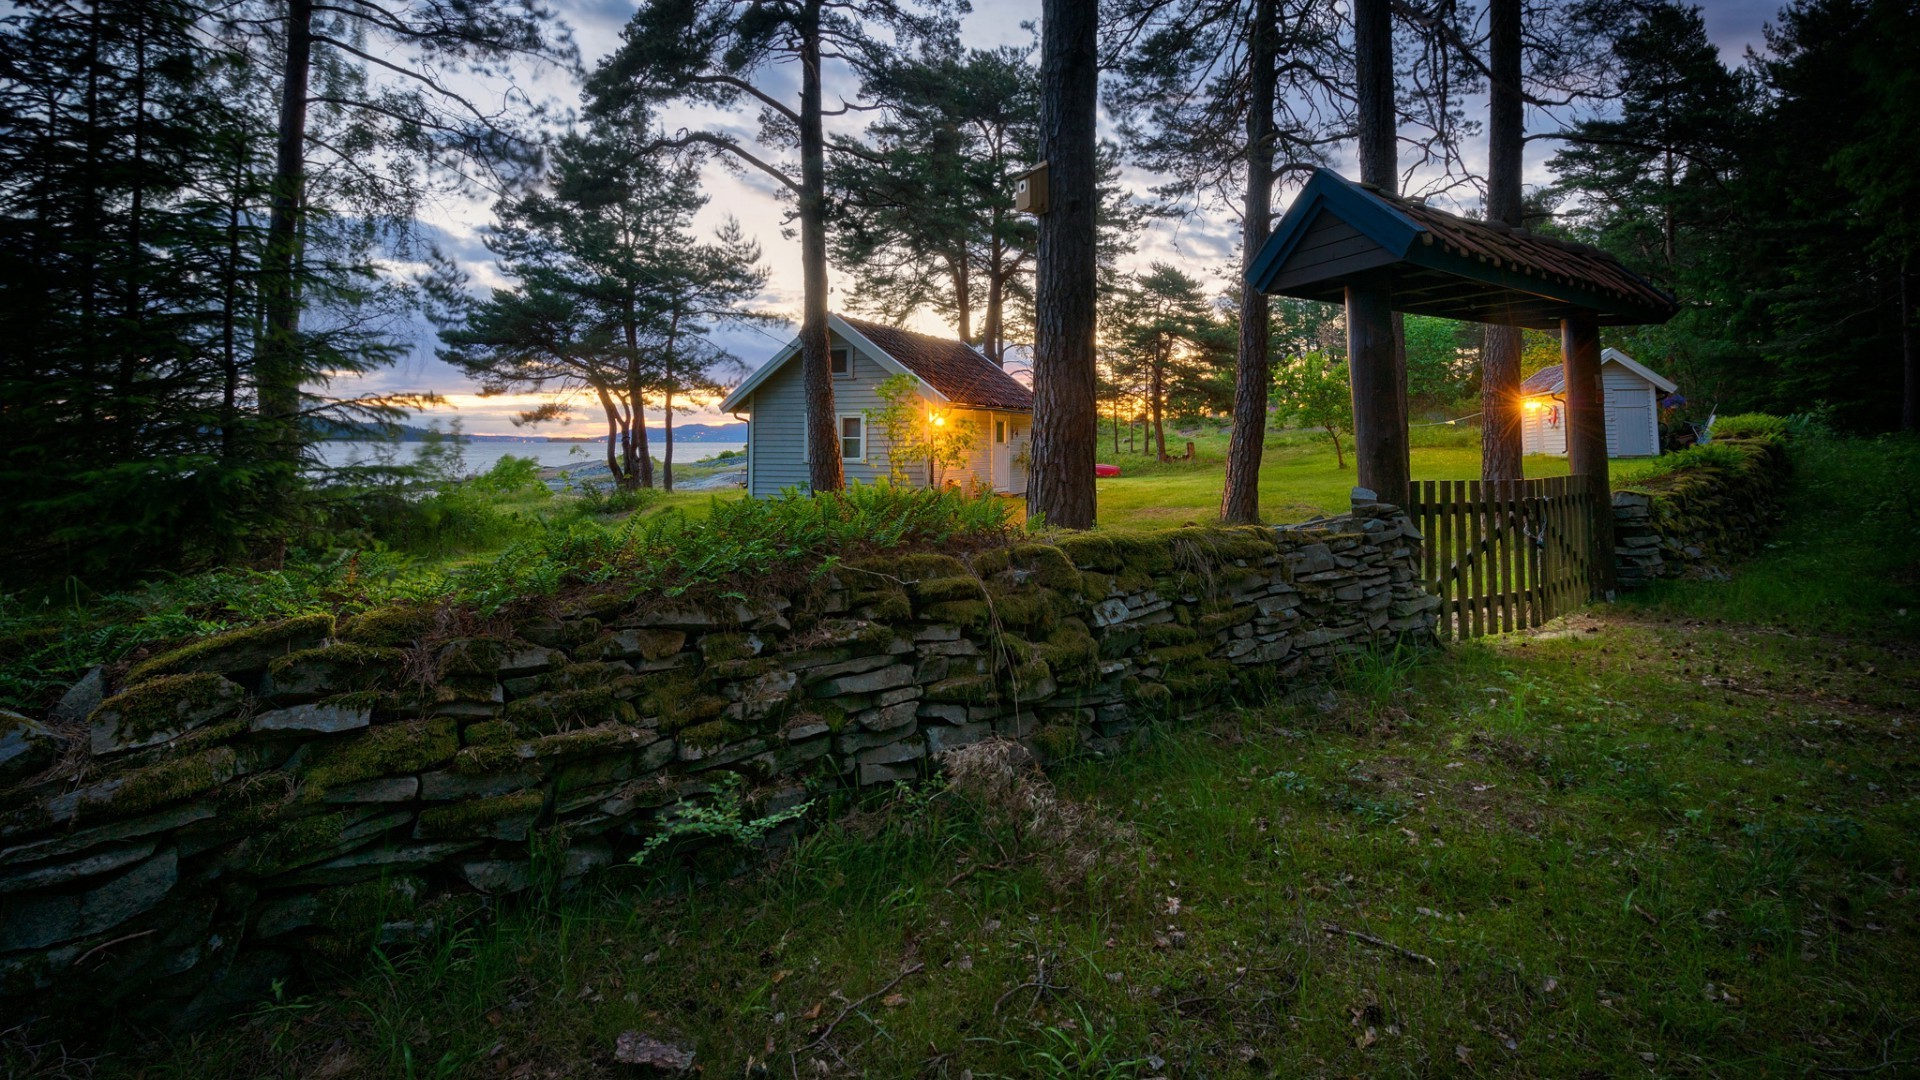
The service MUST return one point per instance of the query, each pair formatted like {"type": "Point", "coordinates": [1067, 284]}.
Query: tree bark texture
{"type": "Point", "coordinates": [1240, 501]}
{"type": "Point", "coordinates": [1376, 355]}
{"type": "Point", "coordinates": [1500, 439]}
{"type": "Point", "coordinates": [1909, 355]}
{"type": "Point", "coordinates": [825, 470]}
{"type": "Point", "coordinates": [1065, 416]}
{"type": "Point", "coordinates": [1379, 424]}
{"type": "Point", "coordinates": [1587, 435]}
{"type": "Point", "coordinates": [277, 374]}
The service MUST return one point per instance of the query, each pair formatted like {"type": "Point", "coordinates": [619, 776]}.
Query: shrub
{"type": "Point", "coordinates": [1750, 426]}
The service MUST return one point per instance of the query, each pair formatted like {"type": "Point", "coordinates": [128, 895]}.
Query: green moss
{"type": "Point", "coordinates": [713, 733]}
{"type": "Point", "coordinates": [593, 675]}
{"type": "Point", "coordinates": [1031, 608]}
{"type": "Point", "coordinates": [1090, 551]}
{"type": "Point", "coordinates": [1197, 678]}
{"type": "Point", "coordinates": [238, 650]}
{"type": "Point", "coordinates": [938, 590]}
{"type": "Point", "coordinates": [470, 658]}
{"type": "Point", "coordinates": [990, 562]}
{"type": "Point", "coordinates": [966, 614]}
{"type": "Point", "coordinates": [830, 714]}
{"type": "Point", "coordinates": [1132, 579]}
{"type": "Point", "coordinates": [1221, 543]}
{"type": "Point", "coordinates": [597, 741]}
{"type": "Point", "coordinates": [1161, 634]}
{"type": "Point", "coordinates": [1218, 621]}
{"type": "Point", "coordinates": [170, 781]}
{"type": "Point", "coordinates": [1029, 675]}
{"type": "Point", "coordinates": [890, 603]}
{"type": "Point", "coordinates": [562, 710]}
{"type": "Point", "coordinates": [490, 733]}
{"type": "Point", "coordinates": [1058, 740]}
{"type": "Point", "coordinates": [679, 700]}
{"type": "Point", "coordinates": [1175, 655]}
{"type": "Point", "coordinates": [477, 816]}
{"type": "Point", "coordinates": [1049, 566]}
{"type": "Point", "coordinates": [492, 758]}
{"type": "Point", "coordinates": [1150, 553]}
{"type": "Point", "coordinates": [1095, 587]}
{"type": "Point", "coordinates": [744, 669]}
{"type": "Point", "coordinates": [912, 565]}
{"type": "Point", "coordinates": [963, 688]}
{"type": "Point", "coordinates": [167, 703]}
{"type": "Point", "coordinates": [1071, 653]}
{"type": "Point", "coordinates": [342, 668]}
{"type": "Point", "coordinates": [1145, 692]}
{"type": "Point", "coordinates": [389, 626]}
{"type": "Point", "coordinates": [382, 750]}
{"type": "Point", "coordinates": [294, 843]}
{"type": "Point", "coordinates": [718, 648]}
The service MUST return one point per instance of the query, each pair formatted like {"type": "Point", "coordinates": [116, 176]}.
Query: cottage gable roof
{"type": "Point", "coordinates": [951, 371]}
{"type": "Point", "coordinates": [961, 373]}
{"type": "Point", "coordinates": [1551, 380]}
{"type": "Point", "coordinates": [1441, 264]}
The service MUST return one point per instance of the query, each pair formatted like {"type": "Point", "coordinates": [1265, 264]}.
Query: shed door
{"type": "Point", "coordinates": [1629, 420]}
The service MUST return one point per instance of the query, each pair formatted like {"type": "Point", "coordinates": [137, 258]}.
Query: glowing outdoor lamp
{"type": "Point", "coordinates": [1532, 404]}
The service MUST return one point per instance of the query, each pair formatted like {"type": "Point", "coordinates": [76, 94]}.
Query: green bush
{"type": "Point", "coordinates": [1750, 426]}
{"type": "Point", "coordinates": [1711, 455]}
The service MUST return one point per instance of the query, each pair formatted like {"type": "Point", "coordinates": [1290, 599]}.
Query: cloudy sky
{"type": "Point", "coordinates": [1202, 244]}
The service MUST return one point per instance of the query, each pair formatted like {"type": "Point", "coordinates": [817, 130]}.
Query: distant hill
{"type": "Point", "coordinates": [693, 433]}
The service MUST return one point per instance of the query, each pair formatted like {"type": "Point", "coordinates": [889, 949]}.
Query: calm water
{"type": "Point", "coordinates": [481, 454]}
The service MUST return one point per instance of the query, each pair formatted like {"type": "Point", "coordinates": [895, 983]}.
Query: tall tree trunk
{"type": "Point", "coordinates": [1500, 438]}
{"type": "Point", "coordinates": [1156, 391]}
{"type": "Point", "coordinates": [616, 438]}
{"type": "Point", "coordinates": [1240, 502]}
{"type": "Point", "coordinates": [996, 298]}
{"type": "Point", "coordinates": [639, 457]}
{"type": "Point", "coordinates": [825, 470]}
{"type": "Point", "coordinates": [278, 366]}
{"type": "Point", "coordinates": [133, 346]}
{"type": "Point", "coordinates": [1060, 483]}
{"type": "Point", "coordinates": [230, 312]}
{"type": "Point", "coordinates": [962, 295]}
{"type": "Point", "coordinates": [1909, 355]}
{"type": "Point", "coordinates": [666, 438]}
{"type": "Point", "coordinates": [1376, 355]}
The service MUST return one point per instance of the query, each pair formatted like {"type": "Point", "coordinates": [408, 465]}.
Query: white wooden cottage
{"type": "Point", "coordinates": [958, 385]}
{"type": "Point", "coordinates": [1631, 395]}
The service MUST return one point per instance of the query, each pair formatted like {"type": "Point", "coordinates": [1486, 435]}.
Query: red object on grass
{"type": "Point", "coordinates": [1106, 470]}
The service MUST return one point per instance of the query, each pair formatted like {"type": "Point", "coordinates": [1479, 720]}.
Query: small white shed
{"type": "Point", "coordinates": [1631, 396]}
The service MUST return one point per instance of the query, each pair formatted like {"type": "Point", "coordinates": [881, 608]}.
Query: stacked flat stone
{"type": "Point", "coordinates": [176, 836]}
{"type": "Point", "coordinates": [1696, 522]}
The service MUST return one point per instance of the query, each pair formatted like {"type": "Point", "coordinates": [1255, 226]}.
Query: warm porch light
{"type": "Point", "coordinates": [1532, 404]}
{"type": "Point", "coordinates": [938, 420]}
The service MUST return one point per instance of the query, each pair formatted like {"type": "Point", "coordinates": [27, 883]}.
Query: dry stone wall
{"type": "Point", "coordinates": [227, 811]}
{"type": "Point", "coordinates": [1695, 521]}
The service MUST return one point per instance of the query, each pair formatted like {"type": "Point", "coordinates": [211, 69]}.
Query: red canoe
{"type": "Point", "coordinates": [1106, 470]}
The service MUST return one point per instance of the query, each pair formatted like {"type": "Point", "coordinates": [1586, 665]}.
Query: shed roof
{"type": "Point", "coordinates": [1552, 380]}
{"type": "Point", "coordinates": [1442, 264]}
{"type": "Point", "coordinates": [951, 371]}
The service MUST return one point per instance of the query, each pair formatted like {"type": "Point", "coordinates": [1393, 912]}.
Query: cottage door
{"type": "Point", "coordinates": [1000, 458]}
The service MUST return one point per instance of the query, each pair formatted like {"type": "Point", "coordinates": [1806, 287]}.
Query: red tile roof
{"type": "Point", "coordinates": [954, 368]}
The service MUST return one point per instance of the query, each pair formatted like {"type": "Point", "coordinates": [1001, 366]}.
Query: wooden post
{"type": "Point", "coordinates": [1587, 436]}
{"type": "Point", "coordinates": [1379, 410]}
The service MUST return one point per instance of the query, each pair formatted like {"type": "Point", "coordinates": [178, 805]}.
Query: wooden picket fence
{"type": "Point", "coordinates": [1505, 555]}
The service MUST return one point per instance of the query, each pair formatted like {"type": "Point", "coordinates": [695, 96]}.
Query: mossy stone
{"type": "Point", "coordinates": [389, 627]}
{"type": "Point", "coordinates": [1145, 692]}
{"type": "Point", "coordinates": [937, 590]}
{"type": "Point", "coordinates": [490, 733]}
{"type": "Point", "coordinates": [332, 669]}
{"type": "Point", "coordinates": [563, 710]}
{"type": "Point", "coordinates": [967, 614]}
{"type": "Point", "coordinates": [912, 566]}
{"type": "Point", "coordinates": [382, 750]}
{"type": "Point", "coordinates": [1163, 634]}
{"type": "Point", "coordinates": [503, 816]}
{"type": "Point", "coordinates": [171, 781]}
{"type": "Point", "coordinates": [245, 649]}
{"type": "Point", "coordinates": [1198, 678]}
{"type": "Point", "coordinates": [974, 689]}
{"type": "Point", "coordinates": [719, 648]}
{"type": "Point", "coordinates": [160, 709]}
{"type": "Point", "coordinates": [711, 735]}
{"type": "Point", "coordinates": [1090, 551]}
{"type": "Point", "coordinates": [1049, 566]}
{"type": "Point", "coordinates": [1058, 741]}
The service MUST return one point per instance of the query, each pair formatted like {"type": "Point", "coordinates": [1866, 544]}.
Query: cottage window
{"type": "Point", "coordinates": [999, 431]}
{"type": "Point", "coordinates": [853, 438]}
{"type": "Point", "coordinates": [840, 361]}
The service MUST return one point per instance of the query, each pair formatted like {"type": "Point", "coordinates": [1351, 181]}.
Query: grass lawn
{"type": "Point", "coordinates": [1671, 837]}
{"type": "Point", "coordinates": [1298, 476]}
